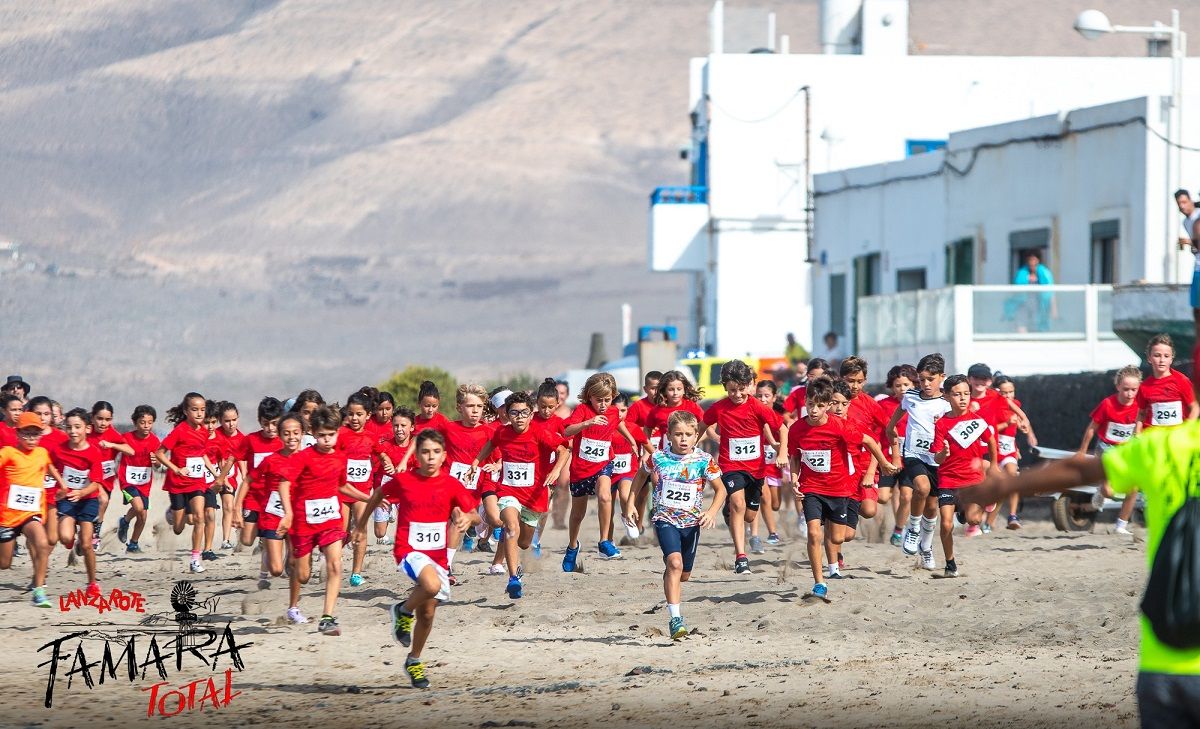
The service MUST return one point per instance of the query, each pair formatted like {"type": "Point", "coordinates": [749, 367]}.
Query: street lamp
{"type": "Point", "coordinates": [1091, 24]}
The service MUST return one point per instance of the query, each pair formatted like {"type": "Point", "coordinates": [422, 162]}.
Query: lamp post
{"type": "Point", "coordinates": [1092, 24]}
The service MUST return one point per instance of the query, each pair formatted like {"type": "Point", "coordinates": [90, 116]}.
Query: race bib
{"type": "Point", "coordinates": [1119, 432]}
{"type": "Point", "coordinates": [110, 469]}
{"type": "Point", "coordinates": [677, 494]}
{"type": "Point", "coordinates": [594, 451]}
{"type": "Point", "coordinates": [48, 482]}
{"type": "Point", "coordinates": [1006, 443]}
{"type": "Point", "coordinates": [275, 505]}
{"type": "Point", "coordinates": [427, 536]}
{"type": "Point", "coordinates": [75, 478]}
{"type": "Point", "coordinates": [194, 467]}
{"type": "Point", "coordinates": [816, 461]}
{"type": "Point", "coordinates": [770, 453]}
{"type": "Point", "coordinates": [137, 475]}
{"type": "Point", "coordinates": [358, 470]}
{"type": "Point", "coordinates": [967, 432]}
{"type": "Point", "coordinates": [459, 470]}
{"type": "Point", "coordinates": [518, 475]}
{"type": "Point", "coordinates": [919, 443]}
{"type": "Point", "coordinates": [622, 463]}
{"type": "Point", "coordinates": [319, 511]}
{"type": "Point", "coordinates": [259, 458]}
{"type": "Point", "coordinates": [25, 498]}
{"type": "Point", "coordinates": [1166, 413]}
{"type": "Point", "coordinates": [745, 449]}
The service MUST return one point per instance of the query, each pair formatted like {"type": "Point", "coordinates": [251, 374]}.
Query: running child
{"type": "Point", "coordinates": [25, 468]}
{"type": "Point", "coordinates": [767, 393]}
{"type": "Point", "coordinates": [861, 471]}
{"type": "Point", "coordinates": [429, 400]}
{"type": "Point", "coordinates": [80, 464]}
{"type": "Point", "coordinates": [818, 445]}
{"type": "Point", "coordinates": [233, 442]}
{"type": "Point", "coordinates": [110, 443]}
{"type": "Point", "coordinates": [315, 495]}
{"type": "Point", "coordinates": [214, 481]}
{"type": "Point", "coordinates": [182, 453]}
{"type": "Point", "coordinates": [1008, 419]}
{"type": "Point", "coordinates": [255, 449]}
{"type": "Point", "coordinates": [358, 445]}
{"type": "Point", "coordinates": [741, 424]}
{"type": "Point", "coordinates": [427, 499]}
{"type": "Point", "coordinates": [626, 461]}
{"type": "Point", "coordinates": [962, 441]}
{"type": "Point", "coordinates": [278, 467]}
{"type": "Point", "coordinates": [52, 440]}
{"type": "Point", "coordinates": [591, 428]}
{"type": "Point", "coordinates": [388, 453]}
{"type": "Point", "coordinates": [523, 495]}
{"type": "Point", "coordinates": [381, 423]}
{"type": "Point", "coordinates": [306, 403]}
{"type": "Point", "coordinates": [1113, 422]}
{"type": "Point", "coordinates": [136, 474]}
{"type": "Point", "coordinates": [923, 406]}
{"type": "Point", "coordinates": [794, 402]}
{"type": "Point", "coordinates": [675, 392]}
{"type": "Point", "coordinates": [678, 474]}
{"type": "Point", "coordinates": [866, 414]}
{"type": "Point", "coordinates": [11, 408]}
{"type": "Point", "coordinates": [546, 416]}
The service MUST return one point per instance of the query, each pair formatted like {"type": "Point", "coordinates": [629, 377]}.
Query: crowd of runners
{"type": "Point", "coordinates": [317, 478]}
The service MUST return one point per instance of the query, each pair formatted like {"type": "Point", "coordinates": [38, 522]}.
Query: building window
{"type": "Point", "coordinates": [1024, 243]}
{"type": "Point", "coordinates": [837, 304]}
{"type": "Point", "coordinates": [910, 279]}
{"type": "Point", "coordinates": [960, 262]}
{"type": "Point", "coordinates": [1106, 240]}
{"type": "Point", "coordinates": [921, 146]}
{"type": "Point", "coordinates": [866, 275]}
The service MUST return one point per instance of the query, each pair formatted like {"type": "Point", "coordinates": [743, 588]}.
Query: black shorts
{"type": "Point", "coordinates": [914, 467]}
{"type": "Point", "coordinates": [270, 534]}
{"type": "Point", "coordinates": [182, 502]}
{"type": "Point", "coordinates": [888, 482]}
{"type": "Point", "coordinates": [741, 481]}
{"type": "Point", "coordinates": [834, 509]}
{"type": "Point", "coordinates": [946, 497]}
{"type": "Point", "coordinates": [852, 513]}
{"type": "Point", "coordinates": [210, 500]}
{"type": "Point", "coordinates": [7, 534]}
{"type": "Point", "coordinates": [250, 516]}
{"type": "Point", "coordinates": [587, 486]}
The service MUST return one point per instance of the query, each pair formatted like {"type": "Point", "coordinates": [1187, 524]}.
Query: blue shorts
{"type": "Point", "coordinates": [81, 511]}
{"type": "Point", "coordinates": [684, 540]}
{"type": "Point", "coordinates": [1196, 289]}
{"type": "Point", "coordinates": [141, 492]}
{"type": "Point", "coordinates": [587, 486]}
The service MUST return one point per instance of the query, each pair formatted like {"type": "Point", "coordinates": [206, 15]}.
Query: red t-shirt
{"type": "Point", "coordinates": [1166, 400]}
{"type": "Point", "coordinates": [522, 454]}
{"type": "Point", "coordinates": [638, 412]}
{"type": "Point", "coordinates": [967, 435]}
{"type": "Point", "coordinates": [395, 454]}
{"type": "Point", "coordinates": [51, 440]}
{"type": "Point", "coordinates": [187, 446]}
{"type": "Point", "coordinates": [890, 405]}
{"type": "Point", "coordinates": [232, 447]}
{"type": "Point", "coordinates": [274, 470]}
{"type": "Point", "coordinates": [8, 436]}
{"type": "Point", "coordinates": [794, 402]}
{"type": "Point", "coordinates": [555, 424]}
{"type": "Point", "coordinates": [315, 491]}
{"type": "Point", "coordinates": [108, 456]}
{"type": "Point", "coordinates": [380, 431]}
{"type": "Point", "coordinates": [254, 450]}
{"type": "Point", "coordinates": [1002, 415]}
{"type": "Point", "coordinates": [656, 420]}
{"type": "Point", "coordinates": [462, 446]}
{"type": "Point", "coordinates": [741, 441]}
{"type": "Point", "coordinates": [137, 470]}
{"type": "Point", "coordinates": [80, 468]}
{"type": "Point", "coordinates": [625, 460]}
{"type": "Point", "coordinates": [591, 448]}
{"type": "Point", "coordinates": [437, 421]}
{"type": "Point", "coordinates": [359, 449]}
{"type": "Point", "coordinates": [823, 452]}
{"type": "Point", "coordinates": [870, 418]}
{"type": "Point", "coordinates": [1115, 422]}
{"type": "Point", "coordinates": [423, 507]}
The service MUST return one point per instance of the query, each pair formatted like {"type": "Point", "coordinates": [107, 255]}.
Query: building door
{"type": "Point", "coordinates": [866, 283]}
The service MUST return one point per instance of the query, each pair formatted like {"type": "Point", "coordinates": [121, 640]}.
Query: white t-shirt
{"type": "Point", "coordinates": [918, 437]}
{"type": "Point", "coordinates": [1188, 225]}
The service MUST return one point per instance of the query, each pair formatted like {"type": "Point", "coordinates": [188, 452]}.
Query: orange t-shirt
{"type": "Point", "coordinates": [22, 493]}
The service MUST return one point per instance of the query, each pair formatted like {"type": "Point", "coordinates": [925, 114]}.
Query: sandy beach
{"type": "Point", "coordinates": [1039, 631]}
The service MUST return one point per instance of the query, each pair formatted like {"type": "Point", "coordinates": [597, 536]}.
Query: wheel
{"type": "Point", "coordinates": [1070, 514]}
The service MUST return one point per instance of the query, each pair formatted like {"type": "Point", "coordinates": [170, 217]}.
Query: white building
{"type": "Point", "coordinates": [762, 123]}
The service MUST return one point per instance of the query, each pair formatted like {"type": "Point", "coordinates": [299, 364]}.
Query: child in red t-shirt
{"type": "Point", "coordinates": [1113, 422]}
{"type": "Point", "coordinates": [183, 454]}
{"type": "Point", "coordinates": [136, 474]}
{"type": "Point", "coordinates": [390, 452]}
{"type": "Point", "coordinates": [79, 462]}
{"type": "Point", "coordinates": [961, 441]}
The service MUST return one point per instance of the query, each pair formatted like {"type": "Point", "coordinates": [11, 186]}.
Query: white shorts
{"type": "Point", "coordinates": [415, 562]}
{"type": "Point", "coordinates": [1010, 458]}
{"type": "Point", "coordinates": [382, 514]}
{"type": "Point", "coordinates": [525, 515]}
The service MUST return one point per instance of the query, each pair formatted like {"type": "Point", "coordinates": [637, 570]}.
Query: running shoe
{"type": "Point", "coordinates": [196, 567]}
{"type": "Point", "coordinates": [132, 547]}
{"type": "Point", "coordinates": [264, 583]}
{"type": "Point", "coordinates": [756, 546]}
{"type": "Point", "coordinates": [95, 543]}
{"type": "Point", "coordinates": [570, 558]}
{"type": "Point", "coordinates": [774, 540]}
{"type": "Point", "coordinates": [416, 671]}
{"type": "Point", "coordinates": [1118, 530]}
{"type": "Point", "coordinates": [514, 587]}
{"type": "Point", "coordinates": [972, 530]}
{"type": "Point", "coordinates": [40, 599]}
{"type": "Point", "coordinates": [985, 528]}
{"type": "Point", "coordinates": [537, 550]}
{"type": "Point", "coordinates": [741, 565]}
{"type": "Point", "coordinates": [402, 625]}
{"type": "Point", "coordinates": [958, 516]}
{"type": "Point", "coordinates": [296, 617]}
{"type": "Point", "coordinates": [951, 568]}
{"type": "Point", "coordinates": [452, 579]}
{"type": "Point", "coordinates": [1014, 521]}
{"type": "Point", "coordinates": [468, 544]}
{"type": "Point", "coordinates": [19, 550]}
{"type": "Point", "coordinates": [841, 561]}
{"type": "Point", "coordinates": [677, 628]}
{"type": "Point", "coordinates": [632, 532]}
{"type": "Point", "coordinates": [820, 589]}
{"type": "Point", "coordinates": [496, 569]}
{"type": "Point", "coordinates": [897, 539]}
{"type": "Point", "coordinates": [208, 554]}
{"type": "Point", "coordinates": [329, 626]}
{"type": "Point", "coordinates": [356, 579]}
{"type": "Point", "coordinates": [385, 541]}
{"type": "Point", "coordinates": [609, 550]}
{"type": "Point", "coordinates": [76, 545]}
{"type": "Point", "coordinates": [122, 530]}
{"type": "Point", "coordinates": [93, 589]}
{"type": "Point", "coordinates": [226, 544]}
{"type": "Point", "coordinates": [927, 561]}
{"type": "Point", "coordinates": [912, 541]}
{"type": "Point", "coordinates": [833, 573]}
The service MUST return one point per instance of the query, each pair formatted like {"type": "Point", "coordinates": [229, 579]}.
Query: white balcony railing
{"type": "Point", "coordinates": [1018, 330]}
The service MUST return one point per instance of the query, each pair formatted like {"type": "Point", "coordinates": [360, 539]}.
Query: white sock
{"type": "Point", "coordinates": [1121, 523]}
{"type": "Point", "coordinates": [927, 527]}
{"type": "Point", "coordinates": [673, 610]}
{"type": "Point", "coordinates": [450, 556]}
{"type": "Point", "coordinates": [913, 523]}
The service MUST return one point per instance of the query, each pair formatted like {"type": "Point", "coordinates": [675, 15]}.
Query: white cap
{"type": "Point", "coordinates": [499, 398]}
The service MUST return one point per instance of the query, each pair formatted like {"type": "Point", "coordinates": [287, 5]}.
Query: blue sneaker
{"type": "Point", "coordinates": [609, 550]}
{"type": "Point", "coordinates": [677, 628]}
{"type": "Point", "coordinates": [820, 589]}
{"type": "Point", "coordinates": [537, 550]}
{"type": "Point", "coordinates": [896, 539]}
{"type": "Point", "coordinates": [570, 558]}
{"type": "Point", "coordinates": [497, 533]}
{"type": "Point", "coordinates": [514, 587]}
{"type": "Point", "coordinates": [356, 580]}
{"type": "Point", "coordinates": [468, 544]}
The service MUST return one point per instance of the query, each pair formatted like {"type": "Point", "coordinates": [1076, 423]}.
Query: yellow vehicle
{"type": "Point", "coordinates": [705, 373]}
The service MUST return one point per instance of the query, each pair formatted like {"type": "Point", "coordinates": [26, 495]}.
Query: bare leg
{"type": "Point", "coordinates": [333, 575]}
{"type": "Point", "coordinates": [737, 521]}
